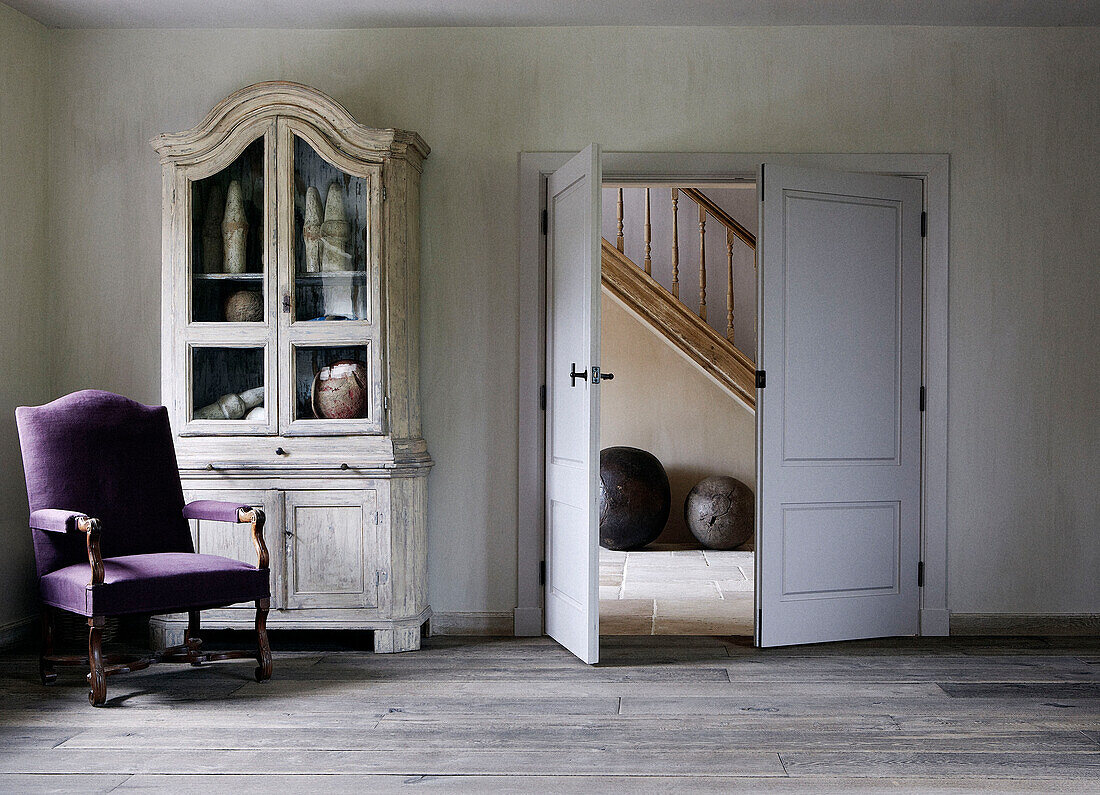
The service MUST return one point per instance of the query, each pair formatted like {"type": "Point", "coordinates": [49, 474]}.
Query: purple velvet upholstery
{"type": "Point", "coordinates": [108, 457]}
{"type": "Point", "coordinates": [101, 455]}
{"type": "Point", "coordinates": [166, 582]}
{"type": "Point", "coordinates": [213, 510]}
{"type": "Point", "coordinates": [55, 520]}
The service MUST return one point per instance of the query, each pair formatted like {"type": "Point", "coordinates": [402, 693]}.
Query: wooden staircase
{"type": "Point", "coordinates": [689, 333]}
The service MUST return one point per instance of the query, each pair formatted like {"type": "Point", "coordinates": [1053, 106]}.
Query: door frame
{"type": "Point", "coordinates": [932, 169]}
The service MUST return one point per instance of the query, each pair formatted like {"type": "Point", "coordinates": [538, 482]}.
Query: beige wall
{"type": "Point", "coordinates": [662, 403]}
{"type": "Point", "coordinates": [1017, 110]}
{"type": "Point", "coordinates": [26, 289]}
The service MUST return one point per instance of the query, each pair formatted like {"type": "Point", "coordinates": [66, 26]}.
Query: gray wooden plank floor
{"type": "Point", "coordinates": [659, 714]}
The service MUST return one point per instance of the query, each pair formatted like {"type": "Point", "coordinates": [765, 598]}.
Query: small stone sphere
{"type": "Point", "coordinates": [635, 498]}
{"type": "Point", "coordinates": [245, 306]}
{"type": "Point", "coordinates": [719, 512]}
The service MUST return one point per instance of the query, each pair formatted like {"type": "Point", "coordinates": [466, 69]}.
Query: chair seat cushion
{"type": "Point", "coordinates": [164, 582]}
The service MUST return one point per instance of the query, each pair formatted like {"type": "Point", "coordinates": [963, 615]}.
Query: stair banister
{"type": "Point", "coordinates": [619, 238]}
{"type": "Point", "coordinates": [729, 284]}
{"type": "Point", "coordinates": [675, 246]}
{"type": "Point", "coordinates": [702, 262]}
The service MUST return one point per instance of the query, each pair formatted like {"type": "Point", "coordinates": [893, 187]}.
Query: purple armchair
{"type": "Point", "coordinates": [110, 532]}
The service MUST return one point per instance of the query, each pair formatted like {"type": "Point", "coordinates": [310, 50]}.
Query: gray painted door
{"type": "Point", "coordinates": [838, 422]}
{"type": "Point", "coordinates": [572, 404]}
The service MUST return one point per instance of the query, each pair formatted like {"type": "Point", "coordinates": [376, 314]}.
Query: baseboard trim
{"type": "Point", "coordinates": [528, 622]}
{"type": "Point", "coordinates": [486, 624]}
{"type": "Point", "coordinates": [498, 624]}
{"type": "Point", "coordinates": [16, 632]}
{"type": "Point", "coordinates": [1009, 624]}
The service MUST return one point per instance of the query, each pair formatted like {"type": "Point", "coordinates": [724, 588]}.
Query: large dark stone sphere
{"type": "Point", "coordinates": [634, 498]}
{"type": "Point", "coordinates": [719, 511]}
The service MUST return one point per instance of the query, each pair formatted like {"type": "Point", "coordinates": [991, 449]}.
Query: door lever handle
{"type": "Point", "coordinates": [574, 375]}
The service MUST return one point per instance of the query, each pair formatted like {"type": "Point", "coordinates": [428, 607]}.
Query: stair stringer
{"type": "Point", "coordinates": [666, 316]}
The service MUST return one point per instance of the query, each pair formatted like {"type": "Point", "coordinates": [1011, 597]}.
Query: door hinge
{"type": "Point", "coordinates": [760, 183]}
{"type": "Point", "coordinates": [383, 193]}
{"type": "Point", "coordinates": [920, 574]}
{"type": "Point", "coordinates": [923, 398]}
{"type": "Point", "coordinates": [545, 222]}
{"type": "Point", "coordinates": [759, 622]}
{"type": "Point", "coordinates": [378, 517]}
{"type": "Point", "coordinates": [385, 403]}
{"type": "Point", "coordinates": [924, 224]}
{"type": "Point", "coordinates": [761, 379]}
{"type": "Point", "coordinates": [542, 572]}
{"type": "Point", "coordinates": [542, 397]}
{"type": "Point", "coordinates": [381, 578]}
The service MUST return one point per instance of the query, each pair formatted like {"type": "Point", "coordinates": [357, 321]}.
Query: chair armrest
{"type": "Point", "coordinates": [218, 511]}
{"type": "Point", "coordinates": [56, 520]}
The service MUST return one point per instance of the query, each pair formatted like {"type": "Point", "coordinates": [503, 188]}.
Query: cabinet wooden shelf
{"type": "Point", "coordinates": [229, 277]}
{"type": "Point", "coordinates": [294, 388]}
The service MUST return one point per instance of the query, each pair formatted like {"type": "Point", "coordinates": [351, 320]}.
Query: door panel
{"type": "Point", "coordinates": [572, 407]}
{"type": "Point", "coordinates": [232, 540]}
{"type": "Point", "coordinates": [332, 557]}
{"type": "Point", "coordinates": [839, 420]}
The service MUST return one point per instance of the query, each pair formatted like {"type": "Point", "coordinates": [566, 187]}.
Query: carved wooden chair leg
{"type": "Point", "coordinates": [191, 637]}
{"type": "Point", "coordinates": [45, 666]}
{"type": "Point", "coordinates": [263, 650]}
{"type": "Point", "coordinates": [97, 676]}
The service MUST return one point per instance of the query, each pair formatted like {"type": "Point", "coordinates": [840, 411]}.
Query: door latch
{"type": "Point", "coordinates": [597, 376]}
{"type": "Point", "coordinates": [574, 375]}
{"type": "Point", "coordinates": [286, 302]}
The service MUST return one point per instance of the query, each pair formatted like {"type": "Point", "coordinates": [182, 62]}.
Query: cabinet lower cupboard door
{"type": "Point", "coordinates": [332, 548]}
{"type": "Point", "coordinates": [235, 540]}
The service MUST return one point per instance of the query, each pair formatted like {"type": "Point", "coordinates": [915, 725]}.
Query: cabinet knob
{"type": "Point", "coordinates": [344, 466]}
{"type": "Point", "coordinates": [281, 451]}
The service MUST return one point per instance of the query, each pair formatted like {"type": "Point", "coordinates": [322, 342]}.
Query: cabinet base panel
{"type": "Point", "coordinates": [390, 635]}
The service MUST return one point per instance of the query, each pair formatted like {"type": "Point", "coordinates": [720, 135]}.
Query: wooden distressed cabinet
{"type": "Point", "coordinates": [290, 354]}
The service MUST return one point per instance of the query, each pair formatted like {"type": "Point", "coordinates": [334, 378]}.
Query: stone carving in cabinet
{"type": "Point", "coordinates": [235, 230]}
{"type": "Point", "coordinates": [232, 407]}
{"type": "Point", "coordinates": [311, 230]}
{"type": "Point", "coordinates": [335, 232]}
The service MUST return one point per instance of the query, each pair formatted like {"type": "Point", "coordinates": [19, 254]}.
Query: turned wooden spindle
{"type": "Point", "coordinates": [729, 285]}
{"type": "Point", "coordinates": [702, 262]}
{"type": "Point", "coordinates": [619, 239]}
{"type": "Point", "coordinates": [675, 247]}
{"type": "Point", "coordinates": [647, 263]}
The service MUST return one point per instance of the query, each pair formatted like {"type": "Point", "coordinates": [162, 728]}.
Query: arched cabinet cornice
{"type": "Point", "coordinates": [250, 107]}
{"type": "Point", "coordinates": [290, 354]}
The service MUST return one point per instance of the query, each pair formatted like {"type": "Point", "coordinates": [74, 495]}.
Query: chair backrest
{"type": "Point", "coordinates": [108, 457]}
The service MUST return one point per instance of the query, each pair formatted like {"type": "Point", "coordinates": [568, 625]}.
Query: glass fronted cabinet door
{"type": "Point", "coordinates": [228, 341]}
{"type": "Point", "coordinates": [329, 263]}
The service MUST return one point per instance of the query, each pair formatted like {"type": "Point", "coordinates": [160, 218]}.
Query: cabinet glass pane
{"type": "Point", "coordinates": [332, 383]}
{"type": "Point", "coordinates": [227, 246]}
{"type": "Point", "coordinates": [331, 240]}
{"type": "Point", "coordinates": [227, 384]}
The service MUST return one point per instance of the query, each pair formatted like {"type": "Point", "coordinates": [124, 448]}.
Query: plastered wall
{"type": "Point", "coordinates": [1017, 110]}
{"type": "Point", "coordinates": [26, 290]}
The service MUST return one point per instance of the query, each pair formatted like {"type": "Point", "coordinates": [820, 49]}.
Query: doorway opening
{"type": "Point", "coordinates": [678, 283]}
{"type": "Point", "coordinates": [841, 204]}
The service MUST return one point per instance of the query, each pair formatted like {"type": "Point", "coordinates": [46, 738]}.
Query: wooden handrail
{"type": "Point", "coordinates": [724, 218]}
{"type": "Point", "coordinates": [683, 329]}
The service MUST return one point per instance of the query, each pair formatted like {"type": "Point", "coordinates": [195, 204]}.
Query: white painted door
{"type": "Point", "coordinates": [572, 404]}
{"type": "Point", "coordinates": [838, 420]}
